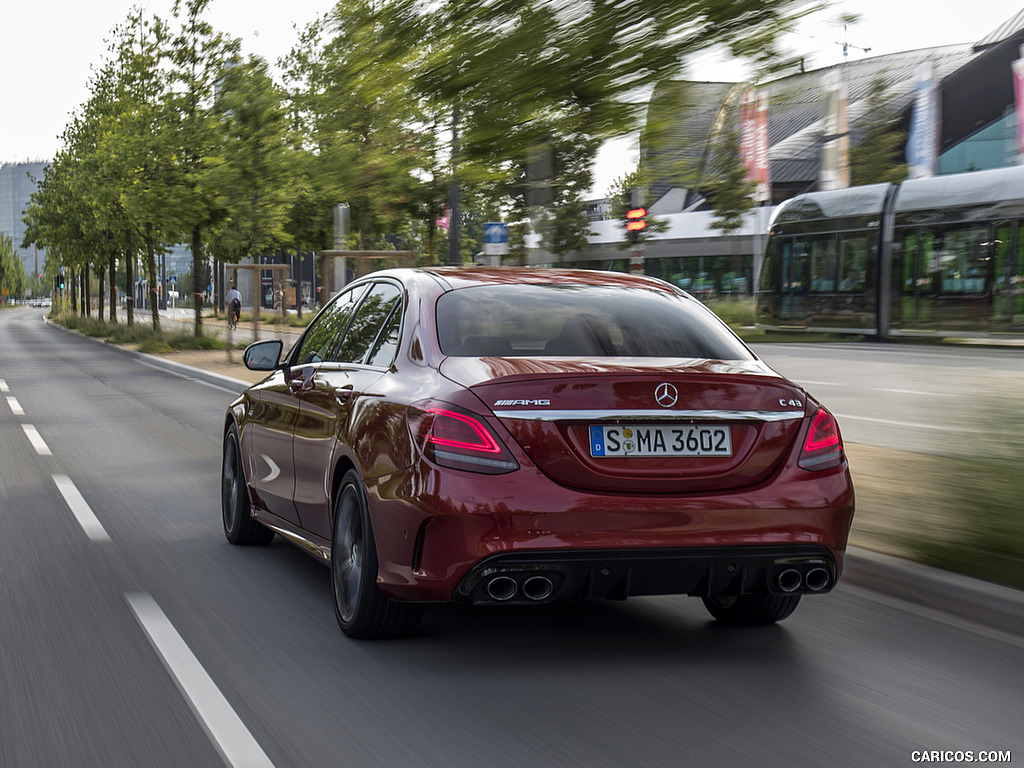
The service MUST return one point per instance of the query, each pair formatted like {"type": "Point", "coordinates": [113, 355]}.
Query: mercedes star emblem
{"type": "Point", "coordinates": [666, 395]}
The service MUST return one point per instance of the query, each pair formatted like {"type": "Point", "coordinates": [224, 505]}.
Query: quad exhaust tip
{"type": "Point", "coordinates": [817, 579]}
{"type": "Point", "coordinates": [502, 588]}
{"type": "Point", "coordinates": [814, 580]}
{"type": "Point", "coordinates": [538, 587]}
{"type": "Point", "coordinates": [790, 580]}
{"type": "Point", "coordinates": [535, 588]}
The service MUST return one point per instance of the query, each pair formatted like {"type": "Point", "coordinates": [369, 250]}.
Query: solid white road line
{"type": "Point", "coordinates": [16, 408]}
{"type": "Point", "coordinates": [224, 727]}
{"type": "Point", "coordinates": [80, 508]}
{"type": "Point", "coordinates": [803, 382]}
{"type": "Point", "coordinates": [36, 439]}
{"type": "Point", "coordinates": [911, 425]}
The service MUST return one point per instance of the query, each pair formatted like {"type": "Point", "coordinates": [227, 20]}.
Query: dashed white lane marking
{"type": "Point", "coordinates": [80, 509]}
{"type": "Point", "coordinates": [36, 439]}
{"type": "Point", "coordinates": [3, 386]}
{"type": "Point", "coordinates": [16, 408]}
{"type": "Point", "coordinates": [224, 727]}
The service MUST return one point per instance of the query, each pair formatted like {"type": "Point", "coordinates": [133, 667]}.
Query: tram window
{"type": "Point", "coordinates": [1002, 273]}
{"type": "Point", "coordinates": [919, 261]}
{"type": "Point", "coordinates": [1017, 277]}
{"type": "Point", "coordinates": [962, 260]}
{"type": "Point", "coordinates": [853, 257]}
{"type": "Point", "coordinates": [823, 264]}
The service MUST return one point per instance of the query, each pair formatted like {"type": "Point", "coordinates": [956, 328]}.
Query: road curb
{"type": "Point", "coordinates": [990, 605]}
{"type": "Point", "coordinates": [188, 371]}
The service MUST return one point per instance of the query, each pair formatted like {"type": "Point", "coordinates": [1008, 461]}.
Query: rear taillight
{"type": "Point", "coordinates": [454, 437]}
{"type": "Point", "coordinates": [823, 445]}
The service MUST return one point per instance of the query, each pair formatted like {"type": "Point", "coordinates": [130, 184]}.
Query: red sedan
{"type": "Point", "coordinates": [521, 436]}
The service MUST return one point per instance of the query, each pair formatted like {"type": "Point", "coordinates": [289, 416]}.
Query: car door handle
{"type": "Point", "coordinates": [344, 394]}
{"type": "Point", "coordinates": [302, 383]}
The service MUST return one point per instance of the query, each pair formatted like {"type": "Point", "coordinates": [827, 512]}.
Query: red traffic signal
{"type": "Point", "coordinates": [635, 219]}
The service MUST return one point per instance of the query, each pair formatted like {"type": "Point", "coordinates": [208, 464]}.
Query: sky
{"type": "Point", "coordinates": [49, 49]}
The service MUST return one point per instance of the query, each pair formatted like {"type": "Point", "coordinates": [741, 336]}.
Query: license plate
{"type": "Point", "coordinates": [687, 440]}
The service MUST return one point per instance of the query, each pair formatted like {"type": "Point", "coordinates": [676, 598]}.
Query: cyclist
{"type": "Point", "coordinates": [234, 299]}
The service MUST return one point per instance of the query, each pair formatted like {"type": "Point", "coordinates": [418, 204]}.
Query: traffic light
{"type": "Point", "coordinates": [635, 223]}
{"type": "Point", "coordinates": [635, 219]}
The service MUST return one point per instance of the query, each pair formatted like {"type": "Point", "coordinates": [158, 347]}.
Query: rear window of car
{"type": "Point", "coordinates": [559, 320]}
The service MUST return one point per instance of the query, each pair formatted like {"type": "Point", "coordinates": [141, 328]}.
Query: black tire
{"type": "Point", "coordinates": [361, 608]}
{"type": "Point", "coordinates": [749, 610]}
{"type": "Point", "coordinates": [235, 512]}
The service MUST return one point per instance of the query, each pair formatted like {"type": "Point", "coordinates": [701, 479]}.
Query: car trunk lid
{"type": "Point", "coordinates": [641, 425]}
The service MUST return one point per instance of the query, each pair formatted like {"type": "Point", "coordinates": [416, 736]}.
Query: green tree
{"type": "Point", "coordinates": [97, 183]}
{"type": "Point", "coordinates": [252, 173]}
{"type": "Point", "coordinates": [58, 217]}
{"type": "Point", "coordinates": [568, 73]}
{"type": "Point", "coordinates": [140, 142]}
{"type": "Point", "coordinates": [350, 81]}
{"type": "Point", "coordinates": [12, 269]}
{"type": "Point", "coordinates": [198, 55]}
{"type": "Point", "coordinates": [878, 156]}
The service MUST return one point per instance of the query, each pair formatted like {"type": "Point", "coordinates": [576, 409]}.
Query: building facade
{"type": "Point", "coordinates": [17, 183]}
{"type": "Point", "coordinates": [976, 131]}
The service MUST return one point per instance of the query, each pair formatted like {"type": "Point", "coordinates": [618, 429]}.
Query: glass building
{"type": "Point", "coordinates": [17, 183]}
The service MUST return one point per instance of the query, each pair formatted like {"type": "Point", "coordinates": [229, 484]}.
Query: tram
{"type": "Point", "coordinates": [942, 256]}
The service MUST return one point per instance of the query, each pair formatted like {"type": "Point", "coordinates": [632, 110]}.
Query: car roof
{"type": "Point", "coordinates": [464, 277]}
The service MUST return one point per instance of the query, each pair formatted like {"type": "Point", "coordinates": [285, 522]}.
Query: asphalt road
{"type": "Point", "coordinates": [940, 399]}
{"type": "Point", "coordinates": [132, 634]}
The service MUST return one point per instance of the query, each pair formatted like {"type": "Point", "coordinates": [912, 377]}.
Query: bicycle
{"type": "Point", "coordinates": [233, 314]}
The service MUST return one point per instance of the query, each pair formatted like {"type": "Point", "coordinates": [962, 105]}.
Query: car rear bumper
{"type": "Point", "coordinates": [537, 577]}
{"type": "Point", "coordinates": [432, 548]}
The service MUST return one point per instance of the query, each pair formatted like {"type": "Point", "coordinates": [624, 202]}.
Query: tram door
{"type": "Point", "coordinates": [913, 265]}
{"type": "Point", "coordinates": [946, 278]}
{"type": "Point", "coordinates": [1008, 278]}
{"type": "Point", "coordinates": [794, 263]}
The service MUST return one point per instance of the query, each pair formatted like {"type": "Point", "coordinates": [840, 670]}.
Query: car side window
{"type": "Point", "coordinates": [384, 349]}
{"type": "Point", "coordinates": [325, 333]}
{"type": "Point", "coordinates": [369, 321]}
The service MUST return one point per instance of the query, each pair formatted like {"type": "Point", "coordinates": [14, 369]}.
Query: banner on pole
{"type": "Point", "coordinates": [754, 142]}
{"type": "Point", "coordinates": [1017, 68]}
{"type": "Point", "coordinates": [922, 142]}
{"type": "Point", "coordinates": [835, 151]}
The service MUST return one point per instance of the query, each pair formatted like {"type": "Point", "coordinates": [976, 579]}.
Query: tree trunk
{"type": "Point", "coordinates": [73, 290]}
{"type": "Point", "coordinates": [113, 287]}
{"type": "Point", "coordinates": [198, 273]}
{"type": "Point", "coordinates": [154, 309]}
{"type": "Point", "coordinates": [218, 289]}
{"type": "Point", "coordinates": [129, 284]}
{"type": "Point", "coordinates": [100, 296]}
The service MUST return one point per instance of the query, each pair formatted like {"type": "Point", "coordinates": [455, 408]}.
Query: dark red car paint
{"type": "Point", "coordinates": [304, 426]}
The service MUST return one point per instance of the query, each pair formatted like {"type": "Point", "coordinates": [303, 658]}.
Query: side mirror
{"type": "Point", "coordinates": [263, 355]}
